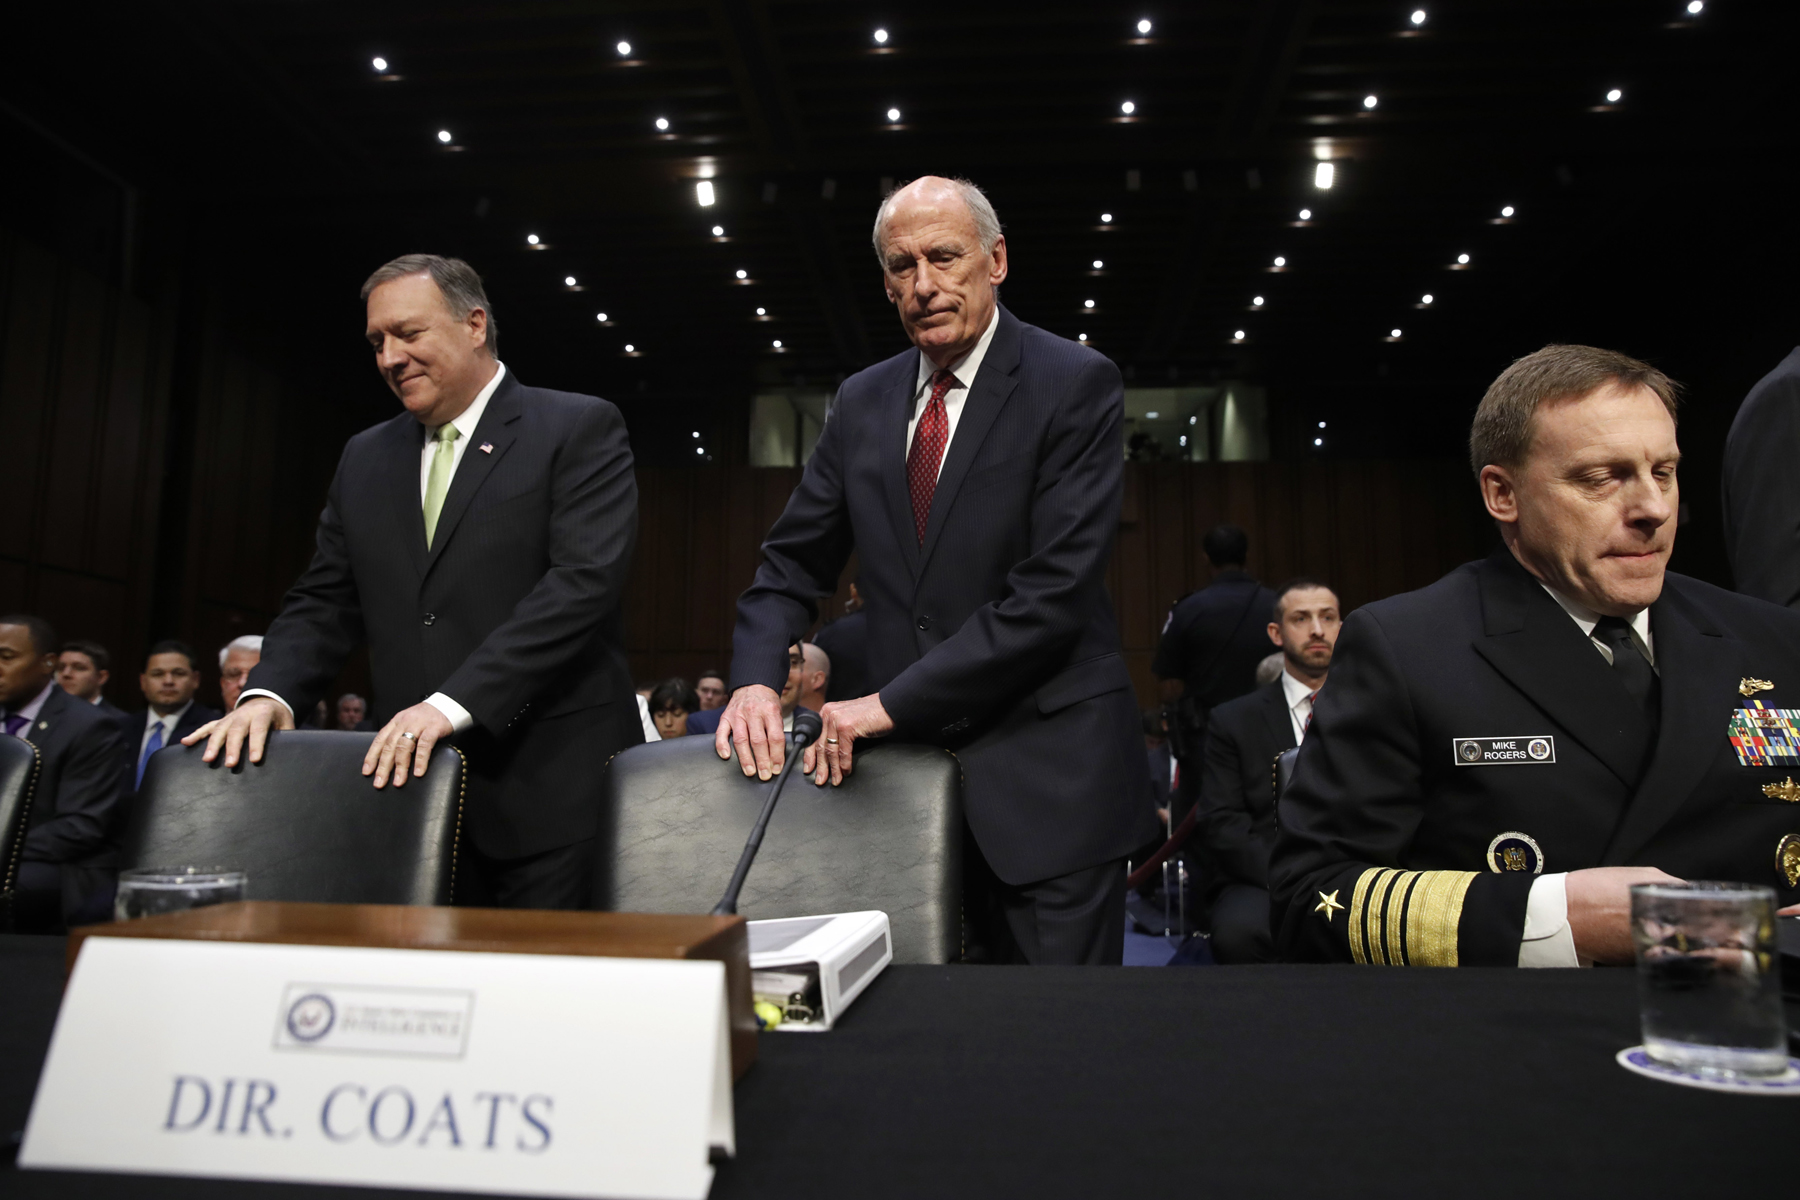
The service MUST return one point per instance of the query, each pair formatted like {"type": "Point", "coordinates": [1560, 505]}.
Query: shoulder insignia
{"type": "Point", "coordinates": [1749, 687]}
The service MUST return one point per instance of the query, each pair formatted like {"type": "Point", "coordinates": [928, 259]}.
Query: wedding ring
{"type": "Point", "coordinates": [411, 737]}
{"type": "Point", "coordinates": [831, 741]}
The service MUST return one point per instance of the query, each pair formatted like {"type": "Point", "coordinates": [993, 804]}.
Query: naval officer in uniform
{"type": "Point", "coordinates": [1501, 755]}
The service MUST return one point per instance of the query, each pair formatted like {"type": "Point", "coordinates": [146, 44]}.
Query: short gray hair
{"type": "Point", "coordinates": [455, 279]}
{"type": "Point", "coordinates": [1501, 432]}
{"type": "Point", "coordinates": [250, 641]}
{"type": "Point", "coordinates": [987, 221]}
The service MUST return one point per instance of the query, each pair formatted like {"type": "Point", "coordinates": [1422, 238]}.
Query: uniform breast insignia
{"type": "Point", "coordinates": [1765, 737]}
{"type": "Point", "coordinates": [1523, 750]}
{"type": "Point", "coordinates": [1515, 851]}
{"type": "Point", "coordinates": [1787, 859]}
{"type": "Point", "coordinates": [1329, 904]}
{"type": "Point", "coordinates": [1749, 687]}
{"type": "Point", "coordinates": [1787, 790]}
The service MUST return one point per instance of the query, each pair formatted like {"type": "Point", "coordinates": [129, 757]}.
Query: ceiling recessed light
{"type": "Point", "coordinates": [1128, 107]}
{"type": "Point", "coordinates": [1418, 16]}
{"type": "Point", "coordinates": [1507, 211]}
{"type": "Point", "coordinates": [777, 343]}
{"type": "Point", "coordinates": [1321, 426]}
{"type": "Point", "coordinates": [703, 193]}
{"type": "Point", "coordinates": [1426, 298]}
{"type": "Point", "coordinates": [1614, 96]}
{"type": "Point", "coordinates": [743, 274]}
{"type": "Point", "coordinates": [1144, 25]}
{"type": "Point", "coordinates": [1393, 333]}
{"type": "Point", "coordinates": [1098, 265]}
{"type": "Point", "coordinates": [1280, 261]}
{"type": "Point", "coordinates": [1256, 302]}
{"type": "Point", "coordinates": [599, 316]}
{"type": "Point", "coordinates": [1324, 175]}
{"type": "Point", "coordinates": [444, 136]}
{"type": "Point", "coordinates": [1306, 214]}
{"type": "Point", "coordinates": [662, 123]}
{"type": "Point", "coordinates": [1237, 335]}
{"type": "Point", "coordinates": [718, 231]}
{"type": "Point", "coordinates": [1106, 218]}
{"type": "Point", "coordinates": [881, 37]}
{"type": "Point", "coordinates": [696, 433]}
{"type": "Point", "coordinates": [699, 449]}
{"type": "Point", "coordinates": [629, 347]}
{"type": "Point", "coordinates": [762, 312]}
{"type": "Point", "coordinates": [1081, 337]}
{"type": "Point", "coordinates": [379, 63]}
{"type": "Point", "coordinates": [1151, 416]}
{"type": "Point", "coordinates": [1318, 441]}
{"type": "Point", "coordinates": [893, 114]}
{"type": "Point", "coordinates": [568, 281]}
{"type": "Point", "coordinates": [531, 239]}
{"type": "Point", "coordinates": [1087, 304]}
{"type": "Point", "coordinates": [1462, 259]}
{"type": "Point", "coordinates": [1696, 7]}
{"type": "Point", "coordinates": [1370, 101]}
{"type": "Point", "coordinates": [624, 49]}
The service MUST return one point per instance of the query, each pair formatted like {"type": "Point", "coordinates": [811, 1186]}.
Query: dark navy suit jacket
{"type": "Point", "coordinates": [995, 638]}
{"type": "Point", "coordinates": [1762, 489]}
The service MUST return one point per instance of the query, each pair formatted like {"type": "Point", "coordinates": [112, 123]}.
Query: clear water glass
{"type": "Point", "coordinates": [152, 891]}
{"type": "Point", "coordinates": [1709, 977]}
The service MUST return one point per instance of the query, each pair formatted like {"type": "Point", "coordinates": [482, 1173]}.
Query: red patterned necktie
{"type": "Point", "coordinates": [1312, 698]}
{"type": "Point", "coordinates": [927, 452]}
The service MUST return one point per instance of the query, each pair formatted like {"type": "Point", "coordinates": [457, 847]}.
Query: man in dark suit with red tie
{"type": "Point", "coordinates": [978, 478]}
{"type": "Point", "coordinates": [478, 542]}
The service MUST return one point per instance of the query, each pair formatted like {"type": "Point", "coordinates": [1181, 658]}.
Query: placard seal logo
{"type": "Point", "coordinates": [311, 1017]}
{"type": "Point", "coordinates": [1515, 851]}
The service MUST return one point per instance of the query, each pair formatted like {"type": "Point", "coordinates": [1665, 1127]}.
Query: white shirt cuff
{"type": "Point", "coordinates": [456, 714]}
{"type": "Point", "coordinates": [1548, 940]}
{"type": "Point", "coordinates": [260, 692]}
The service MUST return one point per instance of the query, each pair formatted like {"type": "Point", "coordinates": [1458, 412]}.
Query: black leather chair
{"type": "Point", "coordinates": [890, 838]}
{"type": "Point", "coordinates": [18, 775]}
{"type": "Point", "coordinates": [305, 824]}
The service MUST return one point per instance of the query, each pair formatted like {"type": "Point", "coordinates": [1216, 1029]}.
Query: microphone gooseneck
{"type": "Point", "coordinates": [807, 727]}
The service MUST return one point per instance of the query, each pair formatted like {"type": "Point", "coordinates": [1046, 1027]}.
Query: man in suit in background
{"type": "Point", "coordinates": [170, 678]}
{"type": "Point", "coordinates": [707, 721]}
{"type": "Point", "coordinates": [237, 658]}
{"type": "Point", "coordinates": [709, 685]}
{"type": "Point", "coordinates": [815, 676]}
{"type": "Point", "coordinates": [1211, 644]}
{"type": "Point", "coordinates": [68, 863]}
{"type": "Point", "coordinates": [1236, 822]}
{"type": "Point", "coordinates": [479, 542]}
{"type": "Point", "coordinates": [82, 669]}
{"type": "Point", "coordinates": [353, 714]}
{"type": "Point", "coordinates": [1500, 756]}
{"type": "Point", "coordinates": [1762, 488]}
{"type": "Point", "coordinates": [846, 641]}
{"type": "Point", "coordinates": [978, 478]}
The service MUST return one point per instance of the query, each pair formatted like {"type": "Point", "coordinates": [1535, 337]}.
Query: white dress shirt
{"type": "Point", "coordinates": [1548, 940]}
{"type": "Point", "coordinates": [1299, 702]}
{"type": "Point", "coordinates": [29, 710]}
{"type": "Point", "coordinates": [459, 717]}
{"type": "Point", "coordinates": [964, 369]}
{"type": "Point", "coordinates": [168, 724]}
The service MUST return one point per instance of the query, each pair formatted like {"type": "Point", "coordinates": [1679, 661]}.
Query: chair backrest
{"type": "Point", "coordinates": [890, 838]}
{"type": "Point", "coordinates": [1284, 771]}
{"type": "Point", "coordinates": [305, 824]}
{"type": "Point", "coordinates": [18, 779]}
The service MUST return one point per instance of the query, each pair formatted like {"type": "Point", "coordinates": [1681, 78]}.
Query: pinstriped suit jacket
{"type": "Point", "coordinates": [995, 637]}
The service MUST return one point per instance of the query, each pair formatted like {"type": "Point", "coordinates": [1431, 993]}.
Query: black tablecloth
{"type": "Point", "coordinates": [1083, 1082]}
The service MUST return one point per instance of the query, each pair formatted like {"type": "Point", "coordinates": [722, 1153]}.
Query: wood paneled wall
{"type": "Point", "coordinates": [1370, 529]}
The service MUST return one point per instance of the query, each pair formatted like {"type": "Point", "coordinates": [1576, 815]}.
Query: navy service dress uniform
{"type": "Point", "coordinates": [1472, 738]}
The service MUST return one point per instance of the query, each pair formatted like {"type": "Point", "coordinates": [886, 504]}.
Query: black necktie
{"type": "Point", "coordinates": [1634, 669]}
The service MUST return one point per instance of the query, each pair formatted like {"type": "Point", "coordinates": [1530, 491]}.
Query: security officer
{"type": "Point", "coordinates": [1501, 755]}
{"type": "Point", "coordinates": [1210, 647]}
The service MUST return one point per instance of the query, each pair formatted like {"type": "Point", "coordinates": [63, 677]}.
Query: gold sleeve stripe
{"type": "Point", "coordinates": [1406, 918]}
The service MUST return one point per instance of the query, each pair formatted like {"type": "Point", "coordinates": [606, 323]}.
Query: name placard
{"type": "Point", "coordinates": [507, 1073]}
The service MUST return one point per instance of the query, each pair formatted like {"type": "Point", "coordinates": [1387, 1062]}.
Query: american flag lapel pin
{"type": "Point", "coordinates": [487, 447]}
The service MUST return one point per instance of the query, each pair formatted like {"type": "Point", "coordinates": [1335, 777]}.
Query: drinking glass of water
{"type": "Point", "coordinates": [151, 891]}
{"type": "Point", "coordinates": [1709, 977]}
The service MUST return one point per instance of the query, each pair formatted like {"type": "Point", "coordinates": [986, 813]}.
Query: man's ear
{"type": "Point", "coordinates": [1499, 494]}
{"type": "Point", "coordinates": [1275, 633]}
{"type": "Point", "coordinates": [478, 326]}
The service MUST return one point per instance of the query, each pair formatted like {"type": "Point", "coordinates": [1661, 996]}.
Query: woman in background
{"type": "Point", "coordinates": [670, 703]}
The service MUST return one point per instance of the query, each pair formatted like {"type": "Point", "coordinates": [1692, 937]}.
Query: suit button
{"type": "Point", "coordinates": [430, 618]}
{"type": "Point", "coordinates": [925, 622]}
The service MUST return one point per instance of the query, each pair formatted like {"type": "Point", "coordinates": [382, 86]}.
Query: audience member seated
{"type": "Point", "coordinates": [353, 714]}
{"type": "Point", "coordinates": [846, 643]}
{"type": "Point", "coordinates": [671, 703]}
{"type": "Point", "coordinates": [708, 722]}
{"type": "Point", "coordinates": [815, 676]}
{"type": "Point", "coordinates": [68, 864]}
{"type": "Point", "coordinates": [1236, 823]}
{"type": "Point", "coordinates": [236, 658]}
{"type": "Point", "coordinates": [83, 669]}
{"type": "Point", "coordinates": [170, 679]}
{"type": "Point", "coordinates": [1502, 755]}
{"type": "Point", "coordinates": [710, 687]}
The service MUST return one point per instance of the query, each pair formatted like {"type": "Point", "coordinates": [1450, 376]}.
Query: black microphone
{"type": "Point", "coordinates": [807, 727]}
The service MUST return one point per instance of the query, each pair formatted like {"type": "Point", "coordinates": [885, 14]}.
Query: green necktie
{"type": "Point", "coordinates": [438, 482]}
